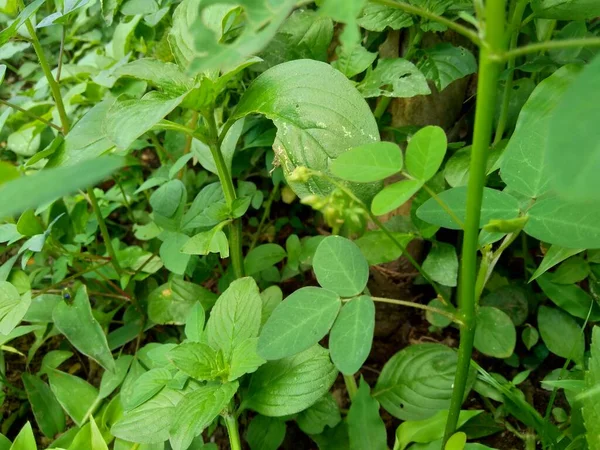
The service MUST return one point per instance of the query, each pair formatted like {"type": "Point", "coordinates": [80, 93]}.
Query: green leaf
{"type": "Point", "coordinates": [211, 241]}
{"type": "Point", "coordinates": [265, 433]}
{"type": "Point", "coordinates": [554, 255]}
{"type": "Point", "coordinates": [425, 152]}
{"type": "Point", "coordinates": [575, 172]}
{"type": "Point", "coordinates": [235, 316]}
{"type": "Point", "coordinates": [77, 323]}
{"type": "Point", "coordinates": [395, 77]}
{"type": "Point", "coordinates": [352, 334]}
{"type": "Point", "coordinates": [244, 359]}
{"type": "Point", "coordinates": [510, 299]}
{"type": "Point", "coordinates": [263, 257]}
{"type": "Point", "coordinates": [428, 430]}
{"type": "Point", "coordinates": [170, 254]}
{"type": "Point", "coordinates": [340, 266]}
{"type": "Point", "coordinates": [172, 302]}
{"type": "Point", "coordinates": [495, 333]}
{"type": "Point", "coordinates": [417, 381]}
{"type": "Point", "coordinates": [167, 198]}
{"type": "Point", "coordinates": [25, 440]}
{"type": "Point", "coordinates": [298, 323]}
{"type": "Point", "coordinates": [194, 325]}
{"type": "Point", "coordinates": [570, 225]}
{"type": "Point", "coordinates": [291, 384]}
{"type": "Point", "coordinates": [376, 17]}
{"type": "Point", "coordinates": [445, 63]}
{"type": "Point", "coordinates": [47, 411]}
{"type": "Point", "coordinates": [198, 215]}
{"type": "Point", "coordinates": [271, 298]}
{"type": "Point", "coordinates": [436, 319]}
{"type": "Point", "coordinates": [573, 270]}
{"type": "Point", "coordinates": [530, 336]}
{"type": "Point", "coordinates": [369, 162]}
{"type": "Point", "coordinates": [138, 387]}
{"type": "Point", "coordinates": [567, 10]}
{"type": "Point", "coordinates": [197, 410]}
{"type": "Point", "coordinates": [325, 412]}
{"type": "Point", "coordinates": [378, 248]}
{"type": "Point", "coordinates": [591, 406]}
{"type": "Point", "coordinates": [394, 195]}
{"type": "Point", "coordinates": [149, 423]}
{"type": "Point", "coordinates": [441, 264]}
{"type": "Point", "coordinates": [353, 59]}
{"type": "Point", "coordinates": [196, 359]}
{"type": "Point", "coordinates": [75, 395]}
{"type": "Point", "coordinates": [312, 128]}
{"type": "Point", "coordinates": [23, 16]}
{"type": "Point", "coordinates": [561, 333]}
{"type": "Point", "coordinates": [97, 440]}
{"type": "Point", "coordinates": [570, 297]}
{"type": "Point", "coordinates": [48, 185]}
{"type": "Point", "coordinates": [365, 426]}
{"type": "Point", "coordinates": [524, 167]}
{"type": "Point", "coordinates": [13, 306]}
{"type": "Point", "coordinates": [496, 205]}
{"type": "Point", "coordinates": [128, 119]}
{"type": "Point", "coordinates": [333, 438]}
{"type": "Point", "coordinates": [112, 380]}
{"type": "Point", "coordinates": [65, 11]}
{"type": "Point", "coordinates": [167, 77]}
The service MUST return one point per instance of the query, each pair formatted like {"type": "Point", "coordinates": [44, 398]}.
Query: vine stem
{"type": "Point", "coordinates": [549, 45]}
{"type": "Point", "coordinates": [351, 386]}
{"type": "Point", "coordinates": [232, 429]}
{"type": "Point", "coordinates": [441, 312]}
{"type": "Point", "coordinates": [489, 71]}
{"type": "Point", "coordinates": [104, 230]}
{"type": "Point", "coordinates": [32, 115]}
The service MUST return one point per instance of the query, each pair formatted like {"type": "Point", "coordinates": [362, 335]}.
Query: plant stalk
{"type": "Point", "coordinates": [104, 230]}
{"type": "Point", "coordinates": [431, 309]}
{"type": "Point", "coordinates": [32, 115]}
{"type": "Point", "coordinates": [489, 71]}
{"type": "Point", "coordinates": [549, 45]}
{"type": "Point", "coordinates": [351, 386]}
{"type": "Point", "coordinates": [233, 431]}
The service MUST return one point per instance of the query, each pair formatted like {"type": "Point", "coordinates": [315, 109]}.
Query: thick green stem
{"type": "Point", "coordinates": [351, 386]}
{"type": "Point", "coordinates": [104, 230]}
{"type": "Point", "coordinates": [484, 114]}
{"type": "Point", "coordinates": [54, 87]}
{"type": "Point", "coordinates": [232, 431]}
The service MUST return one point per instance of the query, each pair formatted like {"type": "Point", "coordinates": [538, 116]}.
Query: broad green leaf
{"type": "Point", "coordinates": [244, 359]}
{"type": "Point", "coordinates": [318, 114]}
{"type": "Point", "coordinates": [170, 254]}
{"type": "Point", "coordinates": [352, 334]}
{"type": "Point", "coordinates": [112, 380]}
{"type": "Point", "coordinates": [554, 255]}
{"type": "Point", "coordinates": [530, 336]}
{"type": "Point", "coordinates": [23, 16]}
{"type": "Point", "coordinates": [198, 215]}
{"type": "Point", "coordinates": [265, 433]}
{"type": "Point", "coordinates": [570, 297]}
{"type": "Point", "coordinates": [75, 395]}
{"type": "Point", "coordinates": [211, 241]}
{"type": "Point", "coordinates": [369, 162]}
{"type": "Point", "coordinates": [28, 224]}
{"type": "Point", "coordinates": [262, 257]}
{"type": "Point", "coordinates": [445, 63]}
{"type": "Point", "coordinates": [76, 321]}
{"type": "Point", "coordinates": [394, 78]}
{"type": "Point", "coordinates": [48, 185]}
{"type": "Point", "coordinates": [333, 438]}
{"type": "Point", "coordinates": [570, 225]}
{"type": "Point", "coordinates": [167, 77]}
{"type": "Point", "coordinates": [428, 430]}
{"type": "Point", "coordinates": [566, 10]}
{"type": "Point", "coordinates": [340, 266]}
{"type": "Point", "coordinates": [437, 319]}
{"type": "Point", "coordinates": [122, 36]}
{"type": "Point", "coordinates": [149, 423]}
{"type": "Point", "coordinates": [196, 359]}
{"type": "Point", "coordinates": [570, 126]}
{"type": "Point", "coordinates": [441, 264]}
{"type": "Point", "coordinates": [172, 302]}
{"type": "Point", "coordinates": [417, 381]}
{"type": "Point", "coordinates": [291, 384]}
{"type": "Point", "coordinates": [365, 426]}
{"type": "Point", "coordinates": [353, 59]}
{"type": "Point", "coordinates": [194, 325]}
{"type": "Point", "coordinates": [376, 17]}
{"type": "Point", "coordinates": [97, 440]}
{"type": "Point", "coordinates": [378, 248]}
{"type": "Point", "coordinates": [25, 440]}
{"type": "Point", "coordinates": [456, 169]}
{"type": "Point", "coordinates": [573, 30]}
{"type": "Point", "coordinates": [510, 299]}
{"type": "Point", "coordinates": [298, 323]}
{"type": "Point", "coordinates": [524, 167]}
{"type": "Point", "coordinates": [235, 316]}
{"type": "Point", "coordinates": [591, 406]}
{"type": "Point", "coordinates": [394, 195]}
{"type": "Point", "coordinates": [140, 386]}
{"type": "Point", "coordinates": [271, 298]}
{"type": "Point", "coordinates": [128, 119]}
{"type": "Point", "coordinates": [495, 205]}
{"type": "Point", "coordinates": [561, 333]}
{"type": "Point", "coordinates": [47, 411]}
{"type": "Point", "coordinates": [573, 270]}
{"type": "Point", "coordinates": [53, 359]}
{"type": "Point", "coordinates": [325, 412]}
{"type": "Point", "coordinates": [197, 410]}
{"type": "Point", "coordinates": [65, 11]}
{"type": "Point", "coordinates": [13, 306]}
{"type": "Point", "coordinates": [425, 152]}
{"type": "Point", "coordinates": [495, 333]}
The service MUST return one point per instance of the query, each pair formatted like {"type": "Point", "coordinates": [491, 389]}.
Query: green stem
{"type": "Point", "coordinates": [441, 312]}
{"type": "Point", "coordinates": [543, 46]}
{"type": "Point", "coordinates": [32, 115]}
{"type": "Point", "coordinates": [104, 230]}
{"type": "Point", "coordinates": [54, 87]}
{"type": "Point", "coordinates": [351, 386]}
{"type": "Point", "coordinates": [232, 431]}
{"type": "Point", "coordinates": [530, 441]}
{"type": "Point", "coordinates": [265, 215]}
{"type": "Point", "coordinates": [382, 107]}
{"type": "Point", "coordinates": [489, 71]}
{"type": "Point", "coordinates": [489, 261]}
{"type": "Point", "coordinates": [235, 228]}
{"type": "Point", "coordinates": [406, 7]}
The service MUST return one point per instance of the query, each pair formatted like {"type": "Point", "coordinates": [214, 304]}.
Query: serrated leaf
{"type": "Point", "coordinates": [495, 334]}
{"type": "Point", "coordinates": [77, 323]}
{"type": "Point", "coordinates": [244, 359]}
{"type": "Point", "coordinates": [165, 76]}
{"type": "Point", "coordinates": [369, 162]}
{"type": "Point", "coordinates": [395, 77]}
{"type": "Point", "coordinates": [298, 323]}
{"type": "Point", "coordinates": [292, 384]}
{"type": "Point", "coordinates": [340, 266]}
{"type": "Point", "coordinates": [376, 17]}
{"type": "Point", "coordinates": [445, 63]}
{"type": "Point", "coordinates": [351, 337]}
{"type": "Point", "coordinates": [561, 333]}
{"type": "Point", "coordinates": [196, 359]}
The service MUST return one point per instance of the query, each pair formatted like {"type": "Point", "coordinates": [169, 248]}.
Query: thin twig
{"type": "Point", "coordinates": [61, 53]}
{"type": "Point", "coordinates": [32, 115]}
{"type": "Point", "coordinates": [550, 45]}
{"type": "Point", "coordinates": [447, 314]}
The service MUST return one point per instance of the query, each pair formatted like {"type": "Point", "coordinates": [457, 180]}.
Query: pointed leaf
{"type": "Point", "coordinates": [369, 162]}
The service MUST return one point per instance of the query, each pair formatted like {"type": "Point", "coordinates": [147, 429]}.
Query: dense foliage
{"type": "Point", "coordinates": [199, 200]}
